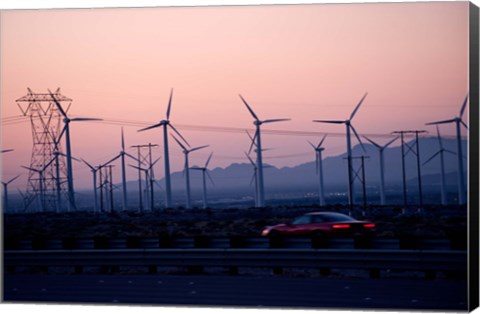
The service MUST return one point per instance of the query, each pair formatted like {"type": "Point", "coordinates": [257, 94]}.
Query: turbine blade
{"type": "Point", "coordinates": [249, 109]}
{"type": "Point", "coordinates": [123, 141]}
{"type": "Point", "coordinates": [178, 133]}
{"type": "Point", "coordinates": [439, 137]}
{"type": "Point", "coordinates": [358, 137]}
{"type": "Point", "coordinates": [252, 143]}
{"type": "Point", "coordinates": [57, 104]}
{"type": "Point", "coordinates": [321, 142]}
{"type": "Point", "coordinates": [88, 165]}
{"type": "Point", "coordinates": [389, 143]}
{"type": "Point", "coordinates": [372, 142]}
{"type": "Point", "coordinates": [112, 160]}
{"type": "Point", "coordinates": [60, 153]}
{"type": "Point", "coordinates": [133, 157]}
{"type": "Point", "coordinates": [178, 142]}
{"type": "Point", "coordinates": [208, 160]}
{"type": "Point", "coordinates": [253, 178]}
{"type": "Point", "coordinates": [449, 151]}
{"type": "Point", "coordinates": [331, 121]}
{"type": "Point", "coordinates": [250, 159]}
{"type": "Point", "coordinates": [433, 156]}
{"type": "Point", "coordinates": [314, 147]}
{"type": "Point", "coordinates": [6, 150]}
{"type": "Point", "coordinates": [358, 106]}
{"type": "Point", "coordinates": [152, 126]}
{"type": "Point", "coordinates": [86, 119]}
{"type": "Point", "coordinates": [28, 168]}
{"type": "Point", "coordinates": [464, 106]}
{"type": "Point", "coordinates": [196, 168]}
{"type": "Point", "coordinates": [169, 104]}
{"type": "Point", "coordinates": [61, 135]}
{"type": "Point", "coordinates": [464, 124]}
{"type": "Point", "coordinates": [198, 148]}
{"type": "Point", "coordinates": [275, 120]}
{"type": "Point", "coordinates": [48, 164]}
{"type": "Point", "coordinates": [153, 164]}
{"type": "Point", "coordinates": [441, 122]}
{"type": "Point", "coordinates": [138, 168]}
{"type": "Point", "coordinates": [210, 177]}
{"type": "Point", "coordinates": [13, 179]}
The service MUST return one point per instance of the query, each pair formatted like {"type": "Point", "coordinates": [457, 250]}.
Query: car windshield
{"type": "Point", "coordinates": [334, 217]}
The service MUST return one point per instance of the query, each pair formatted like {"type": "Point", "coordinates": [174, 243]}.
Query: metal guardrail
{"type": "Point", "coordinates": [277, 253]}
{"type": "Point", "coordinates": [410, 243]}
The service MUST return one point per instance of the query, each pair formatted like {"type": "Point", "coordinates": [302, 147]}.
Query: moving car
{"type": "Point", "coordinates": [324, 224]}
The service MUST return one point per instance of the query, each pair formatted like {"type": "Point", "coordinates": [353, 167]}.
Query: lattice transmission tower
{"type": "Point", "coordinates": [46, 123]}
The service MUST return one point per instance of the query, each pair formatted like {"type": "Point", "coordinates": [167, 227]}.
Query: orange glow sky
{"type": "Point", "coordinates": [302, 62]}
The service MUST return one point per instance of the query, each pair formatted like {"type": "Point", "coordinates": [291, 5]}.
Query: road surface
{"type": "Point", "coordinates": [252, 291]}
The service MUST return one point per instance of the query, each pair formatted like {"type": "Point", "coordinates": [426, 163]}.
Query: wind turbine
{"type": "Point", "coordinates": [349, 127]}
{"type": "Point", "coordinates": [5, 193]}
{"type": "Point", "coordinates": [257, 122]}
{"type": "Point", "coordinates": [94, 173]}
{"type": "Point", "coordinates": [254, 178]}
{"type": "Point", "coordinates": [66, 129]}
{"type": "Point", "coordinates": [147, 183]}
{"type": "Point", "coordinates": [381, 150]}
{"type": "Point", "coordinates": [319, 167]}
{"type": "Point", "coordinates": [204, 170]}
{"type": "Point", "coordinates": [186, 168]}
{"type": "Point", "coordinates": [442, 165]}
{"type": "Point", "coordinates": [460, 176]}
{"type": "Point", "coordinates": [122, 155]}
{"type": "Point", "coordinates": [166, 123]}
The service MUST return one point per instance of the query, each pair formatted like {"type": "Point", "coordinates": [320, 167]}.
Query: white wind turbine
{"type": "Point", "coordinates": [5, 193]}
{"type": "Point", "coordinates": [349, 127]}
{"type": "Point", "coordinates": [94, 173]}
{"type": "Point", "coordinates": [442, 166]}
{"type": "Point", "coordinates": [66, 129]}
{"type": "Point", "coordinates": [166, 123]}
{"type": "Point", "coordinates": [204, 170]}
{"type": "Point", "coordinates": [186, 169]}
{"type": "Point", "coordinates": [460, 176]}
{"type": "Point", "coordinates": [319, 167]}
{"type": "Point", "coordinates": [257, 122]}
{"type": "Point", "coordinates": [381, 150]}
{"type": "Point", "coordinates": [122, 155]}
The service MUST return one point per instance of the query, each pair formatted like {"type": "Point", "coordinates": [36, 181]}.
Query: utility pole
{"type": "Point", "coordinates": [413, 148]}
{"type": "Point", "coordinates": [144, 156]}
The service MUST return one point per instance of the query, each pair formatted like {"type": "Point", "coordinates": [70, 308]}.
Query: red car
{"type": "Point", "coordinates": [328, 224]}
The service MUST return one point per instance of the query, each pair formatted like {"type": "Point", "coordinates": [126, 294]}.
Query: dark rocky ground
{"type": "Point", "coordinates": [430, 222]}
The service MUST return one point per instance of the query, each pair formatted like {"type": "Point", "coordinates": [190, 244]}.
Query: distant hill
{"type": "Point", "coordinates": [236, 177]}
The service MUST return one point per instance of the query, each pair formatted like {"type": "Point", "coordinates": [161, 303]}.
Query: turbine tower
{"type": "Point", "coordinates": [5, 193]}
{"type": "Point", "coordinates": [319, 167]}
{"type": "Point", "coordinates": [66, 130]}
{"type": "Point", "coordinates": [94, 173]}
{"type": "Point", "coordinates": [460, 176]}
{"type": "Point", "coordinates": [166, 123]}
{"type": "Point", "coordinates": [148, 181]}
{"type": "Point", "coordinates": [204, 170]}
{"type": "Point", "coordinates": [442, 166]}
{"type": "Point", "coordinates": [186, 169]}
{"type": "Point", "coordinates": [349, 127]}
{"type": "Point", "coordinates": [122, 155]}
{"type": "Point", "coordinates": [381, 150]}
{"type": "Point", "coordinates": [254, 178]}
{"type": "Point", "coordinates": [257, 122]}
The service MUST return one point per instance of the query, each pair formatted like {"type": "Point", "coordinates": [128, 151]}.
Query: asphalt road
{"type": "Point", "coordinates": [251, 291]}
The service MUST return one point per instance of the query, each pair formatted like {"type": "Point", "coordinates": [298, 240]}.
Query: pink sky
{"type": "Point", "coordinates": [302, 62]}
